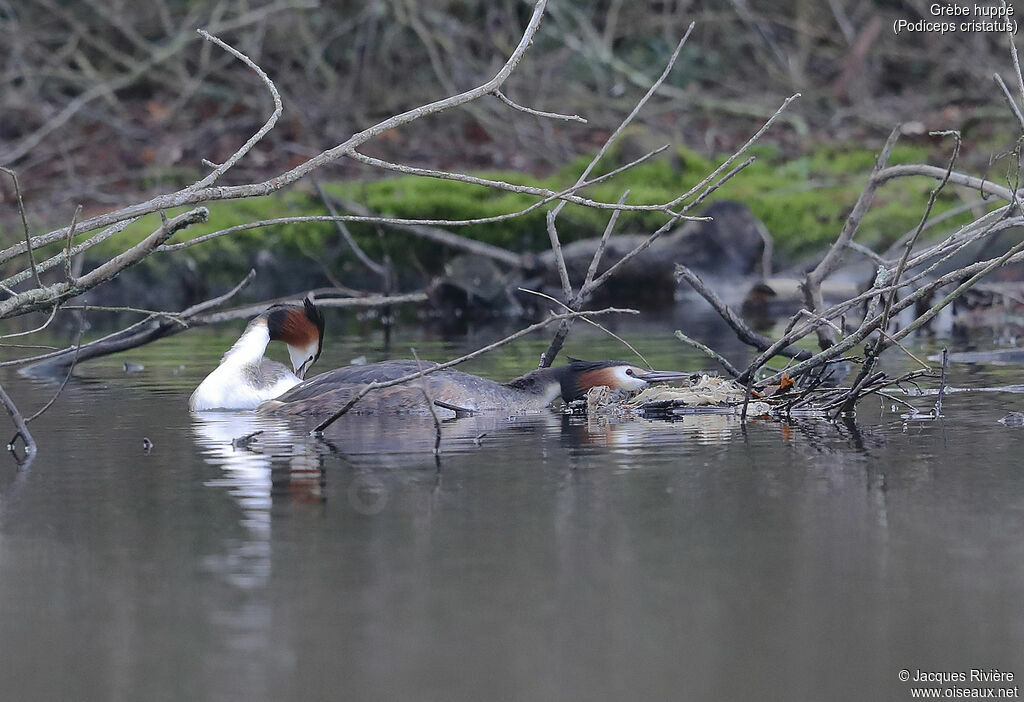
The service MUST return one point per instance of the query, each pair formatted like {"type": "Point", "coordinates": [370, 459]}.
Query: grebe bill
{"type": "Point", "coordinates": [329, 391]}
{"type": "Point", "coordinates": [244, 378]}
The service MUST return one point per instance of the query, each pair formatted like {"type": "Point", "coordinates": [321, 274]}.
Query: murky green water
{"type": "Point", "coordinates": [551, 558]}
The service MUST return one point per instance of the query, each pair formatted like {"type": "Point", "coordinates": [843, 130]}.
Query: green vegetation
{"type": "Point", "coordinates": [802, 201]}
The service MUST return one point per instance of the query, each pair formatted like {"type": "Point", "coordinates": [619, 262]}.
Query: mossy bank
{"type": "Point", "coordinates": [802, 201]}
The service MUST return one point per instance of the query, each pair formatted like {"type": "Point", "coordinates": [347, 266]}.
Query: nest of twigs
{"type": "Point", "coordinates": [711, 394]}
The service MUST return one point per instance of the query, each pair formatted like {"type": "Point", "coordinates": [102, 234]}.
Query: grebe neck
{"type": "Point", "coordinates": [250, 347]}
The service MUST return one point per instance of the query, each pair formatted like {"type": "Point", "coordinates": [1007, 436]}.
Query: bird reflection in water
{"type": "Point", "coordinates": [262, 459]}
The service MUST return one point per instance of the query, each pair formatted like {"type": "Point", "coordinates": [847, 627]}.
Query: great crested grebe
{"type": "Point", "coordinates": [244, 378]}
{"type": "Point", "coordinates": [328, 392]}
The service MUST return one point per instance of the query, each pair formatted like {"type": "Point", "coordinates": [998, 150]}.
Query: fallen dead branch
{"type": "Point", "coordinates": [21, 432]}
{"type": "Point", "coordinates": [898, 285]}
{"type": "Point", "coordinates": [159, 325]}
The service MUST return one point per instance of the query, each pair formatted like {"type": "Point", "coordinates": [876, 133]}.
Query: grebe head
{"type": "Point", "coordinates": [301, 328]}
{"type": "Point", "coordinates": [579, 376]}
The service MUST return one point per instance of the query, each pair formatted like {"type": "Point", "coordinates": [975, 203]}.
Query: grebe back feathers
{"type": "Point", "coordinates": [531, 392]}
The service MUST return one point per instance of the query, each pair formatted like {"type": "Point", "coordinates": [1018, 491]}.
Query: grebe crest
{"type": "Point", "coordinates": [245, 378]}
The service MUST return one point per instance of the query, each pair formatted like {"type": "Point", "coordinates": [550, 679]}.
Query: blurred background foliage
{"type": "Point", "coordinates": [107, 101]}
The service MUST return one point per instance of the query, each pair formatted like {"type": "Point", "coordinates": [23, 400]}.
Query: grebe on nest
{"type": "Point", "coordinates": [328, 392]}
{"type": "Point", "coordinates": [244, 379]}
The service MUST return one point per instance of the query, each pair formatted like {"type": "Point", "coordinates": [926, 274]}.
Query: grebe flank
{"type": "Point", "coordinates": [244, 378]}
{"type": "Point", "coordinates": [329, 391]}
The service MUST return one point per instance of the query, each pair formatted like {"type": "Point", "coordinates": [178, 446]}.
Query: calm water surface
{"type": "Point", "coordinates": [551, 558]}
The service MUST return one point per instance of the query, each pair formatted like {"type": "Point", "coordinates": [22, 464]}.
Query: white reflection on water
{"type": "Point", "coordinates": [248, 448]}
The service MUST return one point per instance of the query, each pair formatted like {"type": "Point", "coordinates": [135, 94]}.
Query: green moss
{"type": "Point", "coordinates": [803, 201]}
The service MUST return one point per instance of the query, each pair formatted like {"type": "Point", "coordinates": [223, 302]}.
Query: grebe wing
{"type": "Point", "coordinates": [349, 376]}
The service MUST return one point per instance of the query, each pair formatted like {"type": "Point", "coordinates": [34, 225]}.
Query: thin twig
{"type": "Point", "coordinates": [255, 138]}
{"type": "Point", "coordinates": [20, 427]}
{"type": "Point", "coordinates": [709, 352]}
{"type": "Point", "coordinates": [173, 316]}
{"type": "Point", "coordinates": [1009, 100]}
{"type": "Point", "coordinates": [556, 247]}
{"type": "Point", "coordinates": [43, 326]}
{"type": "Point", "coordinates": [539, 113]}
{"type": "Point", "coordinates": [937, 219]}
{"type": "Point", "coordinates": [739, 152]}
{"type": "Point", "coordinates": [743, 331]}
{"type": "Point", "coordinates": [636, 109]}
{"type": "Point", "coordinates": [347, 235]}
{"type": "Point", "coordinates": [67, 249]}
{"type": "Point", "coordinates": [71, 368]}
{"type": "Point", "coordinates": [24, 224]}
{"type": "Point", "coordinates": [609, 228]}
{"type": "Point", "coordinates": [430, 405]}
{"type": "Point", "coordinates": [942, 382]}
{"type": "Point", "coordinates": [591, 322]}
{"type": "Point", "coordinates": [643, 245]}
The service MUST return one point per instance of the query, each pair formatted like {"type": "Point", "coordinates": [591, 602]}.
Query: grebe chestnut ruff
{"type": "Point", "coordinates": [244, 378]}
{"type": "Point", "coordinates": [328, 392]}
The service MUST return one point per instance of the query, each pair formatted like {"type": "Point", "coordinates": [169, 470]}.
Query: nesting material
{"type": "Point", "coordinates": [705, 394]}
{"type": "Point", "coordinates": [705, 390]}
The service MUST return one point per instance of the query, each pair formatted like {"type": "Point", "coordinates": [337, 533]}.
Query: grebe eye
{"type": "Point", "coordinates": [629, 371]}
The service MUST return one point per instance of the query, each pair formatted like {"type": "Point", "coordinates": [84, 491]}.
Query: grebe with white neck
{"type": "Point", "coordinates": [244, 378]}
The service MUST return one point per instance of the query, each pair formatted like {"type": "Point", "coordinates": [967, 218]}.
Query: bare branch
{"type": "Point", "coordinates": [556, 247]}
{"type": "Point", "coordinates": [744, 332]}
{"type": "Point", "coordinates": [190, 196]}
{"type": "Point", "coordinates": [1009, 100]}
{"type": "Point", "coordinates": [71, 369]}
{"type": "Point", "coordinates": [591, 322]}
{"type": "Point", "coordinates": [629, 118]}
{"type": "Point", "coordinates": [430, 405]}
{"type": "Point", "coordinates": [20, 426]}
{"type": "Point", "coordinates": [75, 250]}
{"type": "Point", "coordinates": [549, 195]}
{"type": "Point", "coordinates": [45, 296]}
{"type": "Point", "coordinates": [739, 152]}
{"type": "Point", "coordinates": [167, 229]}
{"type": "Point", "coordinates": [938, 173]}
{"type": "Point", "coordinates": [24, 224]}
{"type": "Point", "coordinates": [267, 126]}
{"type": "Point", "coordinates": [550, 115]}
{"type": "Point", "coordinates": [347, 235]}
{"type": "Point", "coordinates": [642, 246]}
{"type": "Point", "coordinates": [710, 353]}
{"type": "Point", "coordinates": [67, 249]}
{"type": "Point", "coordinates": [596, 260]}
{"type": "Point", "coordinates": [825, 267]}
